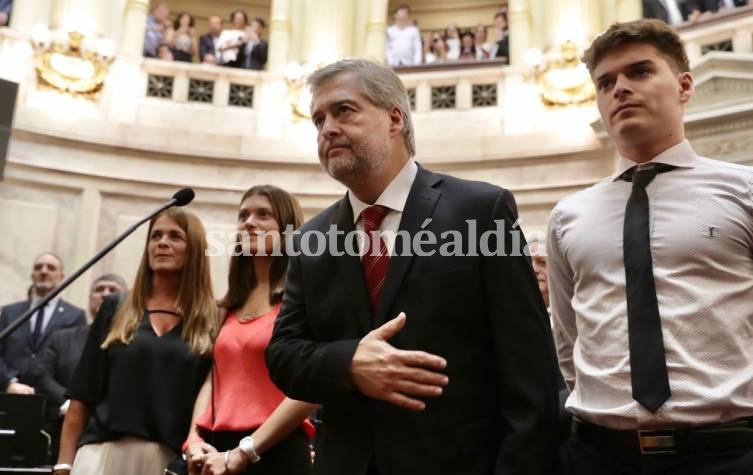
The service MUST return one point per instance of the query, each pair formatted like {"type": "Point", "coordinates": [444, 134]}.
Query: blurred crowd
{"type": "Point", "coordinates": [239, 43]}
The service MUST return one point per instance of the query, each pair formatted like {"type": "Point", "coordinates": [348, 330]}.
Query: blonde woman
{"type": "Point", "coordinates": [144, 362]}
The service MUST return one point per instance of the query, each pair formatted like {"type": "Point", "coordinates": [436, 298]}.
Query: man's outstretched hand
{"type": "Point", "coordinates": [401, 377]}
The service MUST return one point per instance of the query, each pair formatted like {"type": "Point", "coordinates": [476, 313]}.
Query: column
{"type": "Point", "coordinates": [571, 21]}
{"type": "Point", "coordinates": [27, 13]}
{"type": "Point", "coordinates": [376, 28]}
{"type": "Point", "coordinates": [279, 35]}
{"type": "Point", "coordinates": [134, 28]}
{"type": "Point", "coordinates": [85, 243]}
{"type": "Point", "coordinates": [628, 10]}
{"type": "Point", "coordinates": [83, 16]}
{"type": "Point", "coordinates": [328, 30]}
{"type": "Point", "coordinates": [519, 19]}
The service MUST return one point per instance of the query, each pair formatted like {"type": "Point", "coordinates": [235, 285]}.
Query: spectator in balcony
{"type": "Point", "coordinates": [483, 48]}
{"type": "Point", "coordinates": [231, 40]}
{"type": "Point", "coordinates": [5, 8]}
{"type": "Point", "coordinates": [452, 38]}
{"type": "Point", "coordinates": [253, 53]}
{"type": "Point", "coordinates": [696, 8]}
{"type": "Point", "coordinates": [501, 47]}
{"type": "Point", "coordinates": [672, 12]}
{"type": "Point", "coordinates": [164, 52]}
{"type": "Point", "coordinates": [208, 52]}
{"type": "Point", "coordinates": [437, 49]}
{"type": "Point", "coordinates": [182, 38]}
{"type": "Point", "coordinates": [467, 47]}
{"type": "Point", "coordinates": [403, 40]}
{"type": "Point", "coordinates": [157, 25]}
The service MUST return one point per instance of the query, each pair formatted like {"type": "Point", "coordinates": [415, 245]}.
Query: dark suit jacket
{"type": "Point", "coordinates": [17, 353]}
{"type": "Point", "coordinates": [709, 5]}
{"type": "Point", "coordinates": [498, 415]}
{"type": "Point", "coordinates": [255, 59]}
{"type": "Point", "coordinates": [206, 46]}
{"type": "Point", "coordinates": [655, 9]}
{"type": "Point", "coordinates": [57, 363]}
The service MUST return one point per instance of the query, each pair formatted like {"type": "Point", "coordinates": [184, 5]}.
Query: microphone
{"type": "Point", "coordinates": [183, 197]}
{"type": "Point", "coordinates": [180, 198]}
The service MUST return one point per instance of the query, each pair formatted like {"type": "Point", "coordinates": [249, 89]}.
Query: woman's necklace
{"type": "Point", "coordinates": [248, 315]}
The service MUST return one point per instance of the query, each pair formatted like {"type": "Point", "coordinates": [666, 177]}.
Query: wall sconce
{"type": "Point", "coordinates": [299, 95]}
{"type": "Point", "coordinates": [70, 62]}
{"type": "Point", "coordinates": [562, 78]}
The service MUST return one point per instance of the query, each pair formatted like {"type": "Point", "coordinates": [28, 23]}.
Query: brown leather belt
{"type": "Point", "coordinates": [736, 434]}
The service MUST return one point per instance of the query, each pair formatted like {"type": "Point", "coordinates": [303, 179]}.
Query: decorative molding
{"type": "Point", "coordinates": [484, 95]}
{"type": "Point", "coordinates": [443, 97]}
{"type": "Point", "coordinates": [241, 95]}
{"type": "Point", "coordinates": [200, 90]}
{"type": "Point", "coordinates": [160, 86]}
{"type": "Point", "coordinates": [412, 98]}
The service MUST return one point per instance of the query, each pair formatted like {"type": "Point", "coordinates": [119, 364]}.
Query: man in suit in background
{"type": "Point", "coordinates": [254, 51]}
{"type": "Point", "coordinates": [426, 360]}
{"type": "Point", "coordinates": [672, 12]}
{"type": "Point", "coordinates": [207, 51]}
{"type": "Point", "coordinates": [19, 350]}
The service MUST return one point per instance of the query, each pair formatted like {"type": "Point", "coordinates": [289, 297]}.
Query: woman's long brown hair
{"type": "Point", "coordinates": [241, 276]}
{"type": "Point", "coordinates": [195, 297]}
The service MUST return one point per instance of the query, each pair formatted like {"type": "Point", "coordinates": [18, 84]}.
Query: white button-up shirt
{"type": "Point", "coordinates": [701, 225]}
{"type": "Point", "coordinates": [403, 46]}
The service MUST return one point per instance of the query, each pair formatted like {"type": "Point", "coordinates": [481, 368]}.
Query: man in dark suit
{"type": "Point", "coordinates": [663, 10]}
{"type": "Point", "coordinates": [19, 350]}
{"type": "Point", "coordinates": [427, 360]}
{"type": "Point", "coordinates": [254, 52]}
{"type": "Point", "coordinates": [207, 51]}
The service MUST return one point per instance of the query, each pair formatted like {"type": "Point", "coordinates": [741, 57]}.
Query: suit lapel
{"type": "Point", "coordinates": [419, 206]}
{"type": "Point", "coordinates": [350, 267]}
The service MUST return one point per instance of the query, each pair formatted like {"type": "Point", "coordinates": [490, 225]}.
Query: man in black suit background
{"type": "Point", "coordinates": [207, 51]}
{"type": "Point", "coordinates": [19, 350]}
{"type": "Point", "coordinates": [253, 53]}
{"type": "Point", "coordinates": [426, 360]}
{"type": "Point", "coordinates": [672, 12]}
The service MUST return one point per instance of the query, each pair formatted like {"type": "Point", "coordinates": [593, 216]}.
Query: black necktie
{"type": "Point", "coordinates": [648, 366]}
{"type": "Point", "coordinates": [38, 325]}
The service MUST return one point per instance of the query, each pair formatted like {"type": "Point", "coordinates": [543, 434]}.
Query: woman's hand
{"type": "Point", "coordinates": [195, 453]}
{"type": "Point", "coordinates": [225, 463]}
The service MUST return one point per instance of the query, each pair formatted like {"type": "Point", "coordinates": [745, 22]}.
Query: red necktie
{"type": "Point", "coordinates": [375, 262]}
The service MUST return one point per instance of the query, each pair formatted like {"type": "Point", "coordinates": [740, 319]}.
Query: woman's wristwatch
{"type": "Point", "coordinates": [249, 449]}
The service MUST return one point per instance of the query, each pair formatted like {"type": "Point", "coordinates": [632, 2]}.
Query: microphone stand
{"type": "Point", "coordinates": [180, 198]}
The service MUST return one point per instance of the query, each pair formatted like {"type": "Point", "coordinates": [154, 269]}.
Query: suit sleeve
{"type": "Point", "coordinates": [561, 291]}
{"type": "Point", "coordinates": [303, 368]}
{"type": "Point", "coordinates": [5, 375]}
{"type": "Point", "coordinates": [259, 53]}
{"type": "Point", "coordinates": [47, 384]}
{"type": "Point", "coordinates": [526, 365]}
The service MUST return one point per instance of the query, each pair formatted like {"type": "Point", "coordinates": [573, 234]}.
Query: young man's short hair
{"type": "Point", "coordinates": [648, 31]}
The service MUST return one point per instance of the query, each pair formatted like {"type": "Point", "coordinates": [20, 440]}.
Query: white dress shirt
{"type": "Point", "coordinates": [403, 46]}
{"type": "Point", "coordinates": [701, 220]}
{"type": "Point", "coordinates": [49, 310]}
{"type": "Point", "coordinates": [394, 198]}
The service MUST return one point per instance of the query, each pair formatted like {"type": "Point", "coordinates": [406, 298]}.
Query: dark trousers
{"type": "Point", "coordinates": [290, 456]}
{"type": "Point", "coordinates": [581, 459]}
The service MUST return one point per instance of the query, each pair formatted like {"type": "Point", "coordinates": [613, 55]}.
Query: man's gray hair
{"type": "Point", "coordinates": [111, 278]}
{"type": "Point", "coordinates": [381, 86]}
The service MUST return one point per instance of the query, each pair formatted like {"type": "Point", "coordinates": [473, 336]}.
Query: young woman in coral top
{"type": "Point", "coordinates": [242, 422]}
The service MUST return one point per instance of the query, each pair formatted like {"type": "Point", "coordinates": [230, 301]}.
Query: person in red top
{"type": "Point", "coordinates": [239, 413]}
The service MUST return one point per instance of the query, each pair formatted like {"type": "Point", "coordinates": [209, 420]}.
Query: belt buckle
{"type": "Point", "coordinates": [653, 442]}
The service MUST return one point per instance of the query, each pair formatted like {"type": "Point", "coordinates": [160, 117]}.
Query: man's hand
{"type": "Point", "coordinates": [381, 371]}
{"type": "Point", "coordinates": [222, 463]}
{"type": "Point", "coordinates": [19, 388]}
{"type": "Point", "coordinates": [195, 454]}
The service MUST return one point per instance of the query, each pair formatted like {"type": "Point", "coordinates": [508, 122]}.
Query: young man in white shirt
{"type": "Point", "coordinates": [651, 279]}
{"type": "Point", "coordinates": [403, 40]}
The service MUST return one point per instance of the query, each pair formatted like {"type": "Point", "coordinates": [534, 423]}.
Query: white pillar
{"type": "Point", "coordinates": [87, 232]}
{"type": "Point", "coordinates": [27, 13]}
{"type": "Point", "coordinates": [328, 28]}
{"type": "Point", "coordinates": [84, 16]}
{"type": "Point", "coordinates": [134, 28]}
{"type": "Point", "coordinates": [376, 30]}
{"type": "Point", "coordinates": [629, 10]}
{"type": "Point", "coordinates": [279, 35]}
{"type": "Point", "coordinates": [519, 19]}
